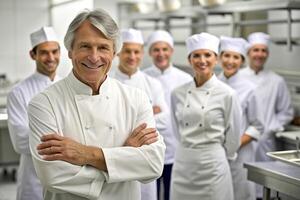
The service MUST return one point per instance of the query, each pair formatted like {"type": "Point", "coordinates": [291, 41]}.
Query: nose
{"type": "Point", "coordinates": [51, 57]}
{"type": "Point", "coordinates": [93, 57]}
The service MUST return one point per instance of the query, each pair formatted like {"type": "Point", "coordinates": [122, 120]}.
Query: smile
{"type": "Point", "coordinates": [93, 67]}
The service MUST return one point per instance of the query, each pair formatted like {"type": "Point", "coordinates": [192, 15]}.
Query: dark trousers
{"type": "Point", "coordinates": [165, 179]}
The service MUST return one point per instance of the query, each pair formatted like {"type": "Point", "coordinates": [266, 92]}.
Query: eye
{"type": "Point", "coordinates": [195, 55]}
{"type": "Point", "coordinates": [84, 46]}
{"type": "Point", "coordinates": [207, 55]}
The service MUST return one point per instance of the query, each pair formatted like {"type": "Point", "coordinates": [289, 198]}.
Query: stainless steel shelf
{"type": "Point", "coordinates": [198, 16]}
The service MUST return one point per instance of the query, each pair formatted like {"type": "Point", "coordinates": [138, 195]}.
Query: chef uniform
{"type": "Point", "coordinates": [105, 120]}
{"type": "Point", "coordinates": [28, 185]}
{"type": "Point", "coordinates": [275, 100]}
{"type": "Point", "coordinates": [252, 121]}
{"type": "Point", "coordinates": [170, 78]}
{"type": "Point", "coordinates": [208, 121]}
{"type": "Point", "coordinates": [154, 91]}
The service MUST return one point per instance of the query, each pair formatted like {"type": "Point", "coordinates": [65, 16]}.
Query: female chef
{"type": "Point", "coordinates": [233, 53]}
{"type": "Point", "coordinates": [206, 114]}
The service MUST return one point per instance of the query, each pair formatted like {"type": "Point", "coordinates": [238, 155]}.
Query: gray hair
{"type": "Point", "coordinates": [101, 20]}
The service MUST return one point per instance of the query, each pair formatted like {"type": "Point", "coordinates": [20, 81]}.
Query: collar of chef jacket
{"type": "Point", "coordinates": [42, 77]}
{"type": "Point", "coordinates": [166, 71]}
{"type": "Point", "coordinates": [231, 79]}
{"type": "Point", "coordinates": [124, 76]}
{"type": "Point", "coordinates": [81, 88]}
{"type": "Point", "coordinates": [252, 72]}
{"type": "Point", "coordinates": [207, 85]}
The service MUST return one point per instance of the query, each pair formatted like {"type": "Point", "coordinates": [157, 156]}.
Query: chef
{"type": "Point", "coordinates": [273, 93]}
{"type": "Point", "coordinates": [161, 49]}
{"type": "Point", "coordinates": [130, 58]}
{"type": "Point", "coordinates": [207, 116]}
{"type": "Point", "coordinates": [93, 137]}
{"type": "Point", "coordinates": [46, 54]}
{"type": "Point", "coordinates": [233, 54]}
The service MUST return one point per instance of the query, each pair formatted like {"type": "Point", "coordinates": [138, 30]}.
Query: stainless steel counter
{"type": "Point", "coordinates": [275, 176]}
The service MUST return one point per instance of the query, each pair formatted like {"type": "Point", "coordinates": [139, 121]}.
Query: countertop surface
{"type": "Point", "coordinates": [276, 175]}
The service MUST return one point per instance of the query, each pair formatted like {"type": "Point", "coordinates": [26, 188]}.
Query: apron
{"type": "Point", "coordinates": [201, 173]}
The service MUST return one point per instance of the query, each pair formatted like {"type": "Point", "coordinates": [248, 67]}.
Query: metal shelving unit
{"type": "Point", "coordinates": [198, 17]}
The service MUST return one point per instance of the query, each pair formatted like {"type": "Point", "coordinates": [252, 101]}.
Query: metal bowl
{"type": "Point", "coordinates": [209, 3]}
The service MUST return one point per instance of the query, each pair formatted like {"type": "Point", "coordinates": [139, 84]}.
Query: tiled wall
{"type": "Point", "coordinates": [18, 18]}
{"type": "Point", "coordinates": [293, 81]}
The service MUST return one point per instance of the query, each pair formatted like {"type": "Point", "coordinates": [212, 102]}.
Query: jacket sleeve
{"type": "Point", "coordinates": [254, 117]}
{"type": "Point", "coordinates": [233, 123]}
{"type": "Point", "coordinates": [284, 110]}
{"type": "Point", "coordinates": [59, 176]}
{"type": "Point", "coordinates": [18, 122]}
{"type": "Point", "coordinates": [145, 163]}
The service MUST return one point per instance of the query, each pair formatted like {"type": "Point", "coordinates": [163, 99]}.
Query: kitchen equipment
{"type": "Point", "coordinates": [290, 156]}
{"type": "Point", "coordinates": [275, 176]}
{"type": "Point", "coordinates": [209, 3]}
{"type": "Point", "coordinates": [168, 5]}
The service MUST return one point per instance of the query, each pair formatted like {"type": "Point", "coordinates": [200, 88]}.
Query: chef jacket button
{"type": "Point", "coordinates": [186, 124]}
{"type": "Point", "coordinates": [86, 127]}
{"type": "Point", "coordinates": [188, 106]}
{"type": "Point", "coordinates": [110, 128]}
{"type": "Point", "coordinates": [107, 97]}
{"type": "Point", "coordinates": [190, 92]}
{"type": "Point", "coordinates": [200, 125]}
{"type": "Point", "coordinates": [207, 93]}
{"type": "Point", "coordinates": [202, 107]}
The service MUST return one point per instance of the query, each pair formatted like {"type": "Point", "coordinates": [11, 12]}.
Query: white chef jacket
{"type": "Point", "coordinates": [105, 120]}
{"type": "Point", "coordinates": [154, 90]}
{"type": "Point", "coordinates": [170, 78]}
{"type": "Point", "coordinates": [207, 118]}
{"type": "Point", "coordinates": [252, 125]}
{"type": "Point", "coordinates": [276, 106]}
{"type": "Point", "coordinates": [29, 187]}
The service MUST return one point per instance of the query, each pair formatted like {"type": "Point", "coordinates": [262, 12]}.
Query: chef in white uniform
{"type": "Point", "coordinates": [207, 116]}
{"type": "Point", "coordinates": [46, 54]}
{"type": "Point", "coordinates": [161, 48]}
{"type": "Point", "coordinates": [130, 58]}
{"type": "Point", "coordinates": [233, 54]}
{"type": "Point", "coordinates": [273, 93]}
{"type": "Point", "coordinates": [93, 137]}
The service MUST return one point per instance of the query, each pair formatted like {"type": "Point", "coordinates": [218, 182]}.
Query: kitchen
{"type": "Point", "coordinates": [234, 18]}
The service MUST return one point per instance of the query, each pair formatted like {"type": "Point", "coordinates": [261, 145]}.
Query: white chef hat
{"type": "Point", "coordinates": [258, 38]}
{"type": "Point", "coordinates": [202, 41]}
{"type": "Point", "coordinates": [160, 36]}
{"type": "Point", "coordinates": [45, 34]}
{"type": "Point", "coordinates": [132, 35]}
{"type": "Point", "coordinates": [239, 45]}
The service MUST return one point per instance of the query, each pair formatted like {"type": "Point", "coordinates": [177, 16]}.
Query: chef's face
{"type": "Point", "coordinates": [161, 53]}
{"type": "Point", "coordinates": [203, 62]}
{"type": "Point", "coordinates": [231, 62]}
{"type": "Point", "coordinates": [258, 55]}
{"type": "Point", "coordinates": [130, 57]}
{"type": "Point", "coordinates": [46, 56]}
{"type": "Point", "coordinates": [92, 54]}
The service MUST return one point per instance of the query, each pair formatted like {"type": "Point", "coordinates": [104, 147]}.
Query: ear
{"type": "Point", "coordinates": [189, 59]}
{"type": "Point", "coordinates": [32, 55]}
{"type": "Point", "coordinates": [70, 54]}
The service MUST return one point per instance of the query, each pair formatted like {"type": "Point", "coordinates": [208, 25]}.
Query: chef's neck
{"type": "Point", "coordinates": [257, 69]}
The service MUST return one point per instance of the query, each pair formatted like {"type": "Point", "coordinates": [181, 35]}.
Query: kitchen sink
{"type": "Point", "coordinates": [290, 156]}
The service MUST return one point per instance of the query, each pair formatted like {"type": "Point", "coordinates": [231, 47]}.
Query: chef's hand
{"type": "Point", "coordinates": [156, 109]}
{"type": "Point", "coordinates": [141, 135]}
{"type": "Point", "coordinates": [56, 147]}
